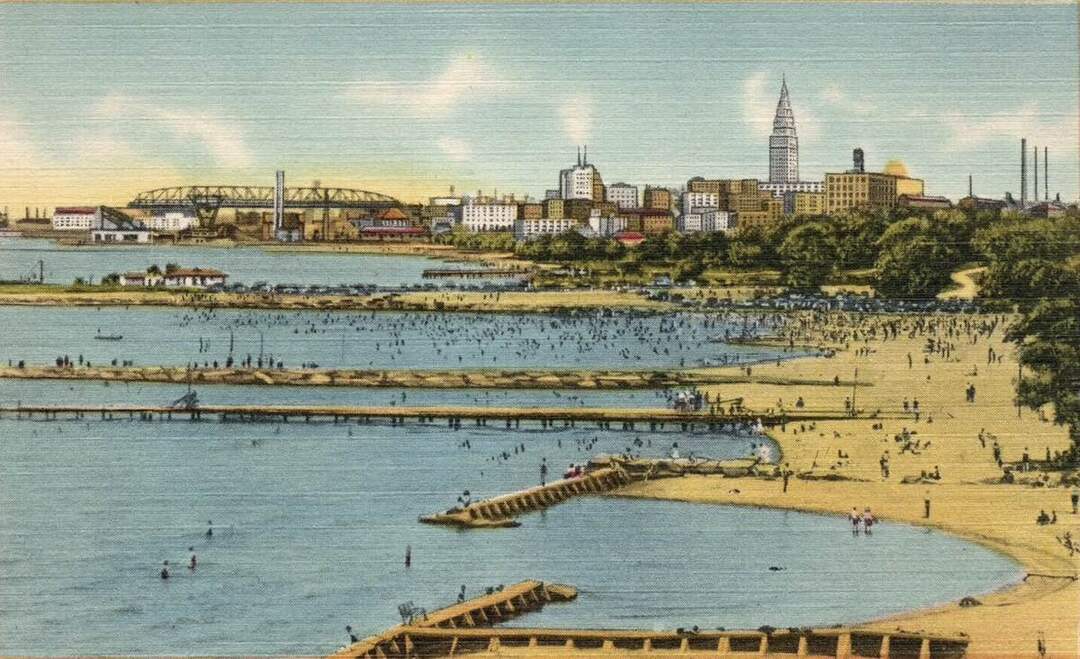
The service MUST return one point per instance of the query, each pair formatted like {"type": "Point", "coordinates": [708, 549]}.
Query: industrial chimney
{"type": "Point", "coordinates": [857, 165]}
{"type": "Point", "coordinates": [1035, 188]}
{"type": "Point", "coordinates": [1046, 173]}
{"type": "Point", "coordinates": [1023, 172]}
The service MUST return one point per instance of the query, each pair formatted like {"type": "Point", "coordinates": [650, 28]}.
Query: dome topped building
{"type": "Point", "coordinates": [896, 168]}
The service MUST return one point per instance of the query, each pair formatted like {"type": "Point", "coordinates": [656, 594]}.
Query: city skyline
{"type": "Point", "coordinates": [383, 103]}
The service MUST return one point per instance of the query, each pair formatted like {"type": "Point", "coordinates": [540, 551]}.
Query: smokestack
{"type": "Point", "coordinates": [1023, 172]}
{"type": "Point", "coordinates": [579, 156]}
{"type": "Point", "coordinates": [971, 187]}
{"type": "Point", "coordinates": [586, 162]}
{"type": "Point", "coordinates": [1046, 173]}
{"type": "Point", "coordinates": [1035, 189]}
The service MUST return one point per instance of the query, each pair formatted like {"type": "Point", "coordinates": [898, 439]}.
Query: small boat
{"type": "Point", "coordinates": [108, 337]}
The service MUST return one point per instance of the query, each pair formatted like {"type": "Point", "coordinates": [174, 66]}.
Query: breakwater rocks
{"type": "Point", "coordinates": [449, 379]}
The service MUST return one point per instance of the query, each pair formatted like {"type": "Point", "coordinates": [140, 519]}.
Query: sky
{"type": "Point", "coordinates": [98, 103]}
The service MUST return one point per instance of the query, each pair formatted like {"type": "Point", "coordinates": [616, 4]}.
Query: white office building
{"type": "Point", "coordinates": [623, 195]}
{"type": "Point", "coordinates": [479, 217]}
{"type": "Point", "coordinates": [696, 202]}
{"type": "Point", "coordinates": [528, 229]}
{"type": "Point", "coordinates": [80, 218]}
{"type": "Point", "coordinates": [606, 225]}
{"type": "Point", "coordinates": [716, 220]}
{"type": "Point", "coordinates": [688, 223]}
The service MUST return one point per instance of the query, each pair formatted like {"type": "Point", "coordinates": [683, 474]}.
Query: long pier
{"type": "Point", "coordinates": [434, 379]}
{"type": "Point", "coordinates": [549, 417]}
{"type": "Point", "coordinates": [485, 610]}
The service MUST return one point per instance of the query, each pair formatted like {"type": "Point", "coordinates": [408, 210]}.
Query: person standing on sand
{"type": "Point", "coordinates": [787, 475]}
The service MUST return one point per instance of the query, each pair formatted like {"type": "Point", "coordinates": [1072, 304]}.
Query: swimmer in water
{"type": "Point", "coordinates": [165, 570]}
{"type": "Point", "coordinates": [210, 531]}
{"type": "Point", "coordinates": [194, 562]}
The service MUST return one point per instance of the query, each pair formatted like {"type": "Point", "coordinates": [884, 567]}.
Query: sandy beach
{"type": "Point", "coordinates": [969, 500]}
{"type": "Point", "coordinates": [448, 301]}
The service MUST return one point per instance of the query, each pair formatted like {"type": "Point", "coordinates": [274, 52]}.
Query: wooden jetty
{"type": "Point", "coordinates": [548, 417]}
{"type": "Point", "coordinates": [485, 610]}
{"type": "Point", "coordinates": [500, 510]}
{"type": "Point", "coordinates": [435, 273]}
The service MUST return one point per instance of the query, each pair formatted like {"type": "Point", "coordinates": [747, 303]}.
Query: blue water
{"type": "Point", "coordinates": [246, 265]}
{"type": "Point", "coordinates": [381, 340]}
{"type": "Point", "coordinates": [311, 524]}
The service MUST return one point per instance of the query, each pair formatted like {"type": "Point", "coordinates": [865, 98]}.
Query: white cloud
{"type": "Point", "coordinates": [465, 78]}
{"type": "Point", "coordinates": [841, 101]}
{"type": "Point", "coordinates": [456, 149]}
{"type": "Point", "coordinates": [968, 132]}
{"type": "Point", "coordinates": [577, 118]}
{"type": "Point", "coordinates": [758, 105]}
{"type": "Point", "coordinates": [221, 139]}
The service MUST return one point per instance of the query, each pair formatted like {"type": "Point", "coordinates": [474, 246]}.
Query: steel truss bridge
{"type": "Point", "coordinates": [206, 200]}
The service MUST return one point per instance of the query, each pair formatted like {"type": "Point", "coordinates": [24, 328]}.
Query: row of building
{"type": "Point", "coordinates": [583, 202]}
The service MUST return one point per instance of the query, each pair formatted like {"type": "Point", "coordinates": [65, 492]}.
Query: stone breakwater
{"type": "Point", "coordinates": [448, 379]}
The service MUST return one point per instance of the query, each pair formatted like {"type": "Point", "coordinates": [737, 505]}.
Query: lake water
{"type": "Point", "coordinates": [311, 522]}
{"type": "Point", "coordinates": [19, 259]}
{"type": "Point", "coordinates": [380, 340]}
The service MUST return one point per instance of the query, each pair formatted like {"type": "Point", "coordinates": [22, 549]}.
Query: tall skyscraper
{"type": "Point", "coordinates": [783, 143]}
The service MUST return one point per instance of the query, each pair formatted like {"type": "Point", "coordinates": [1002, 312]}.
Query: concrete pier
{"type": "Point", "coordinates": [468, 628]}
{"type": "Point", "coordinates": [482, 611]}
{"type": "Point", "coordinates": [500, 510]}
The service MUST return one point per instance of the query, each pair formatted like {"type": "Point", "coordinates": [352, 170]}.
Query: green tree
{"type": "Point", "coordinates": [1028, 259]}
{"type": "Point", "coordinates": [1049, 346]}
{"type": "Point", "coordinates": [916, 257]}
{"type": "Point", "coordinates": [808, 255]}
